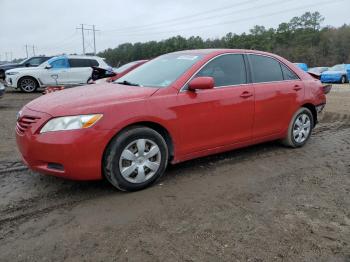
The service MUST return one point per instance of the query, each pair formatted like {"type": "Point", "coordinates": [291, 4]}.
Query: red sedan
{"type": "Point", "coordinates": [176, 107]}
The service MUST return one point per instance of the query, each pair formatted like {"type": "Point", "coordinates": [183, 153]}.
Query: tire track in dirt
{"type": "Point", "coordinates": [19, 212]}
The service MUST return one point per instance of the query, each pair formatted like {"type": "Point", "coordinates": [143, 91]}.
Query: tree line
{"type": "Point", "coordinates": [302, 39]}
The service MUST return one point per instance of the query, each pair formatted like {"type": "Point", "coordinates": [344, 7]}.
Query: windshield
{"type": "Point", "coordinates": [160, 72]}
{"type": "Point", "coordinates": [125, 67]}
{"type": "Point", "coordinates": [24, 61]}
{"type": "Point", "coordinates": [337, 68]}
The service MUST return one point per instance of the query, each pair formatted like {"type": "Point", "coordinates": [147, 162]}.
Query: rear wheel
{"type": "Point", "coordinates": [135, 159]}
{"type": "Point", "coordinates": [28, 84]}
{"type": "Point", "coordinates": [300, 128]}
{"type": "Point", "coordinates": [343, 80]}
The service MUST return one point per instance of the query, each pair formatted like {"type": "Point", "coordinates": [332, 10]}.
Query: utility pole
{"type": "Point", "coordinates": [33, 50]}
{"type": "Point", "coordinates": [82, 35]}
{"type": "Point", "coordinates": [93, 30]}
{"type": "Point", "coordinates": [27, 50]}
{"type": "Point", "coordinates": [83, 29]}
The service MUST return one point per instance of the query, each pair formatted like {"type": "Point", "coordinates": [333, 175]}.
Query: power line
{"type": "Point", "coordinates": [215, 16]}
{"type": "Point", "coordinates": [184, 17]}
{"type": "Point", "coordinates": [236, 20]}
{"type": "Point", "coordinates": [94, 30]}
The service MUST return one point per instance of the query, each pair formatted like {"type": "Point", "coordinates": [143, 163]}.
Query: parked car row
{"type": "Point", "coordinates": [336, 74]}
{"type": "Point", "coordinates": [59, 70]}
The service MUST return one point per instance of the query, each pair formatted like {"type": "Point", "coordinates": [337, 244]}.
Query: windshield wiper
{"type": "Point", "coordinates": [127, 83]}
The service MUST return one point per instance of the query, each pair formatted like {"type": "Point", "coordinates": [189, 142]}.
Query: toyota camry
{"type": "Point", "coordinates": [174, 108]}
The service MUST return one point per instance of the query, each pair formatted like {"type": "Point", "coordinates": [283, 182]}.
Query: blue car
{"type": "Point", "coordinates": [336, 74]}
{"type": "Point", "coordinates": [302, 66]}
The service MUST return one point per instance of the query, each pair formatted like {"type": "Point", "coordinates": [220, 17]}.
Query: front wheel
{"type": "Point", "coordinates": [135, 159]}
{"type": "Point", "coordinates": [28, 84]}
{"type": "Point", "coordinates": [300, 127]}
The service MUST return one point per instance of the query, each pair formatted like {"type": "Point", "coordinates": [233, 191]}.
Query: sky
{"type": "Point", "coordinates": [51, 25]}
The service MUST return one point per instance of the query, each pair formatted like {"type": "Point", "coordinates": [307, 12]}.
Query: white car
{"type": "Point", "coordinates": [59, 70]}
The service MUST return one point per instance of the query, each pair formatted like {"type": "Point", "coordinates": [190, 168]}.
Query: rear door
{"type": "Point", "coordinates": [220, 116]}
{"type": "Point", "coordinates": [278, 94]}
{"type": "Point", "coordinates": [80, 70]}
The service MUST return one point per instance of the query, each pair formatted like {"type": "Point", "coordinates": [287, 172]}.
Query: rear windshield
{"type": "Point", "coordinates": [162, 71]}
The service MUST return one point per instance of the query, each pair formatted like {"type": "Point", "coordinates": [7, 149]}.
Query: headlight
{"type": "Point", "coordinates": [11, 73]}
{"type": "Point", "coordinates": [70, 123]}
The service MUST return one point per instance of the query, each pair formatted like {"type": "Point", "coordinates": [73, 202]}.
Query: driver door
{"type": "Point", "coordinates": [220, 116]}
{"type": "Point", "coordinates": [57, 73]}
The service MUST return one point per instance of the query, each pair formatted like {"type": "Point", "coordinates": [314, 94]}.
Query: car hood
{"type": "Point", "coordinates": [6, 66]}
{"type": "Point", "coordinates": [88, 99]}
{"type": "Point", "coordinates": [23, 69]}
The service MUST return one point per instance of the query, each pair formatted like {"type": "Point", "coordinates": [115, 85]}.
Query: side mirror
{"type": "Point", "coordinates": [27, 64]}
{"type": "Point", "coordinates": [48, 67]}
{"type": "Point", "coordinates": [203, 82]}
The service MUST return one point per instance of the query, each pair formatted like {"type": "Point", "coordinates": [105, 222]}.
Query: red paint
{"type": "Point", "coordinates": [200, 122]}
{"type": "Point", "coordinates": [201, 83]}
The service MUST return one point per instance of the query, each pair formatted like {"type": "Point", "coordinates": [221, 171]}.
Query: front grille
{"type": "Point", "coordinates": [25, 122]}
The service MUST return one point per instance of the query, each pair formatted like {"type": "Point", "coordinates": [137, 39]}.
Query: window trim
{"type": "Point", "coordinates": [281, 65]}
{"type": "Point", "coordinates": [280, 62]}
{"type": "Point", "coordinates": [184, 88]}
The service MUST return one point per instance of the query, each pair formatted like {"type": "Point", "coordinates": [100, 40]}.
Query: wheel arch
{"type": "Point", "coordinates": [312, 108]}
{"type": "Point", "coordinates": [150, 124]}
{"type": "Point", "coordinates": [29, 76]}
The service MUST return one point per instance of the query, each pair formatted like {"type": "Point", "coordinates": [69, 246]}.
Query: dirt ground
{"type": "Point", "coordinates": [262, 203]}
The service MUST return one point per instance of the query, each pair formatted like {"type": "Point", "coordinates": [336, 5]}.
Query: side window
{"type": "Point", "coordinates": [288, 74]}
{"type": "Point", "coordinates": [59, 63]}
{"type": "Point", "coordinates": [35, 61]}
{"type": "Point", "coordinates": [226, 70]}
{"type": "Point", "coordinates": [265, 69]}
{"type": "Point", "coordinates": [93, 62]}
{"type": "Point", "coordinates": [79, 62]}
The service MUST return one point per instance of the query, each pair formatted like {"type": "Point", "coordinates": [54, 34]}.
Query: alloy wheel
{"type": "Point", "coordinates": [28, 85]}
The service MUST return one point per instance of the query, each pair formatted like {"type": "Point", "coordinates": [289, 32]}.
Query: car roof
{"type": "Point", "coordinates": [216, 51]}
{"type": "Point", "coordinates": [77, 56]}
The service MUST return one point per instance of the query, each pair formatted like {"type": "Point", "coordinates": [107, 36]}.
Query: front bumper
{"type": "Point", "coordinates": [11, 81]}
{"type": "Point", "coordinates": [75, 154]}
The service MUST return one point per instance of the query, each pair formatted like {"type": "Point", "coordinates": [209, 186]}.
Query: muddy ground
{"type": "Point", "coordinates": [262, 203]}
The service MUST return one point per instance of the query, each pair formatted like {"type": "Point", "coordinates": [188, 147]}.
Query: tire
{"type": "Point", "coordinates": [123, 165]}
{"type": "Point", "coordinates": [343, 80]}
{"type": "Point", "coordinates": [28, 84]}
{"type": "Point", "coordinates": [298, 135]}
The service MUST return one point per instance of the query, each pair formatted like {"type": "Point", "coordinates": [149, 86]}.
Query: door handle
{"type": "Point", "coordinates": [297, 87]}
{"type": "Point", "coordinates": [246, 94]}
